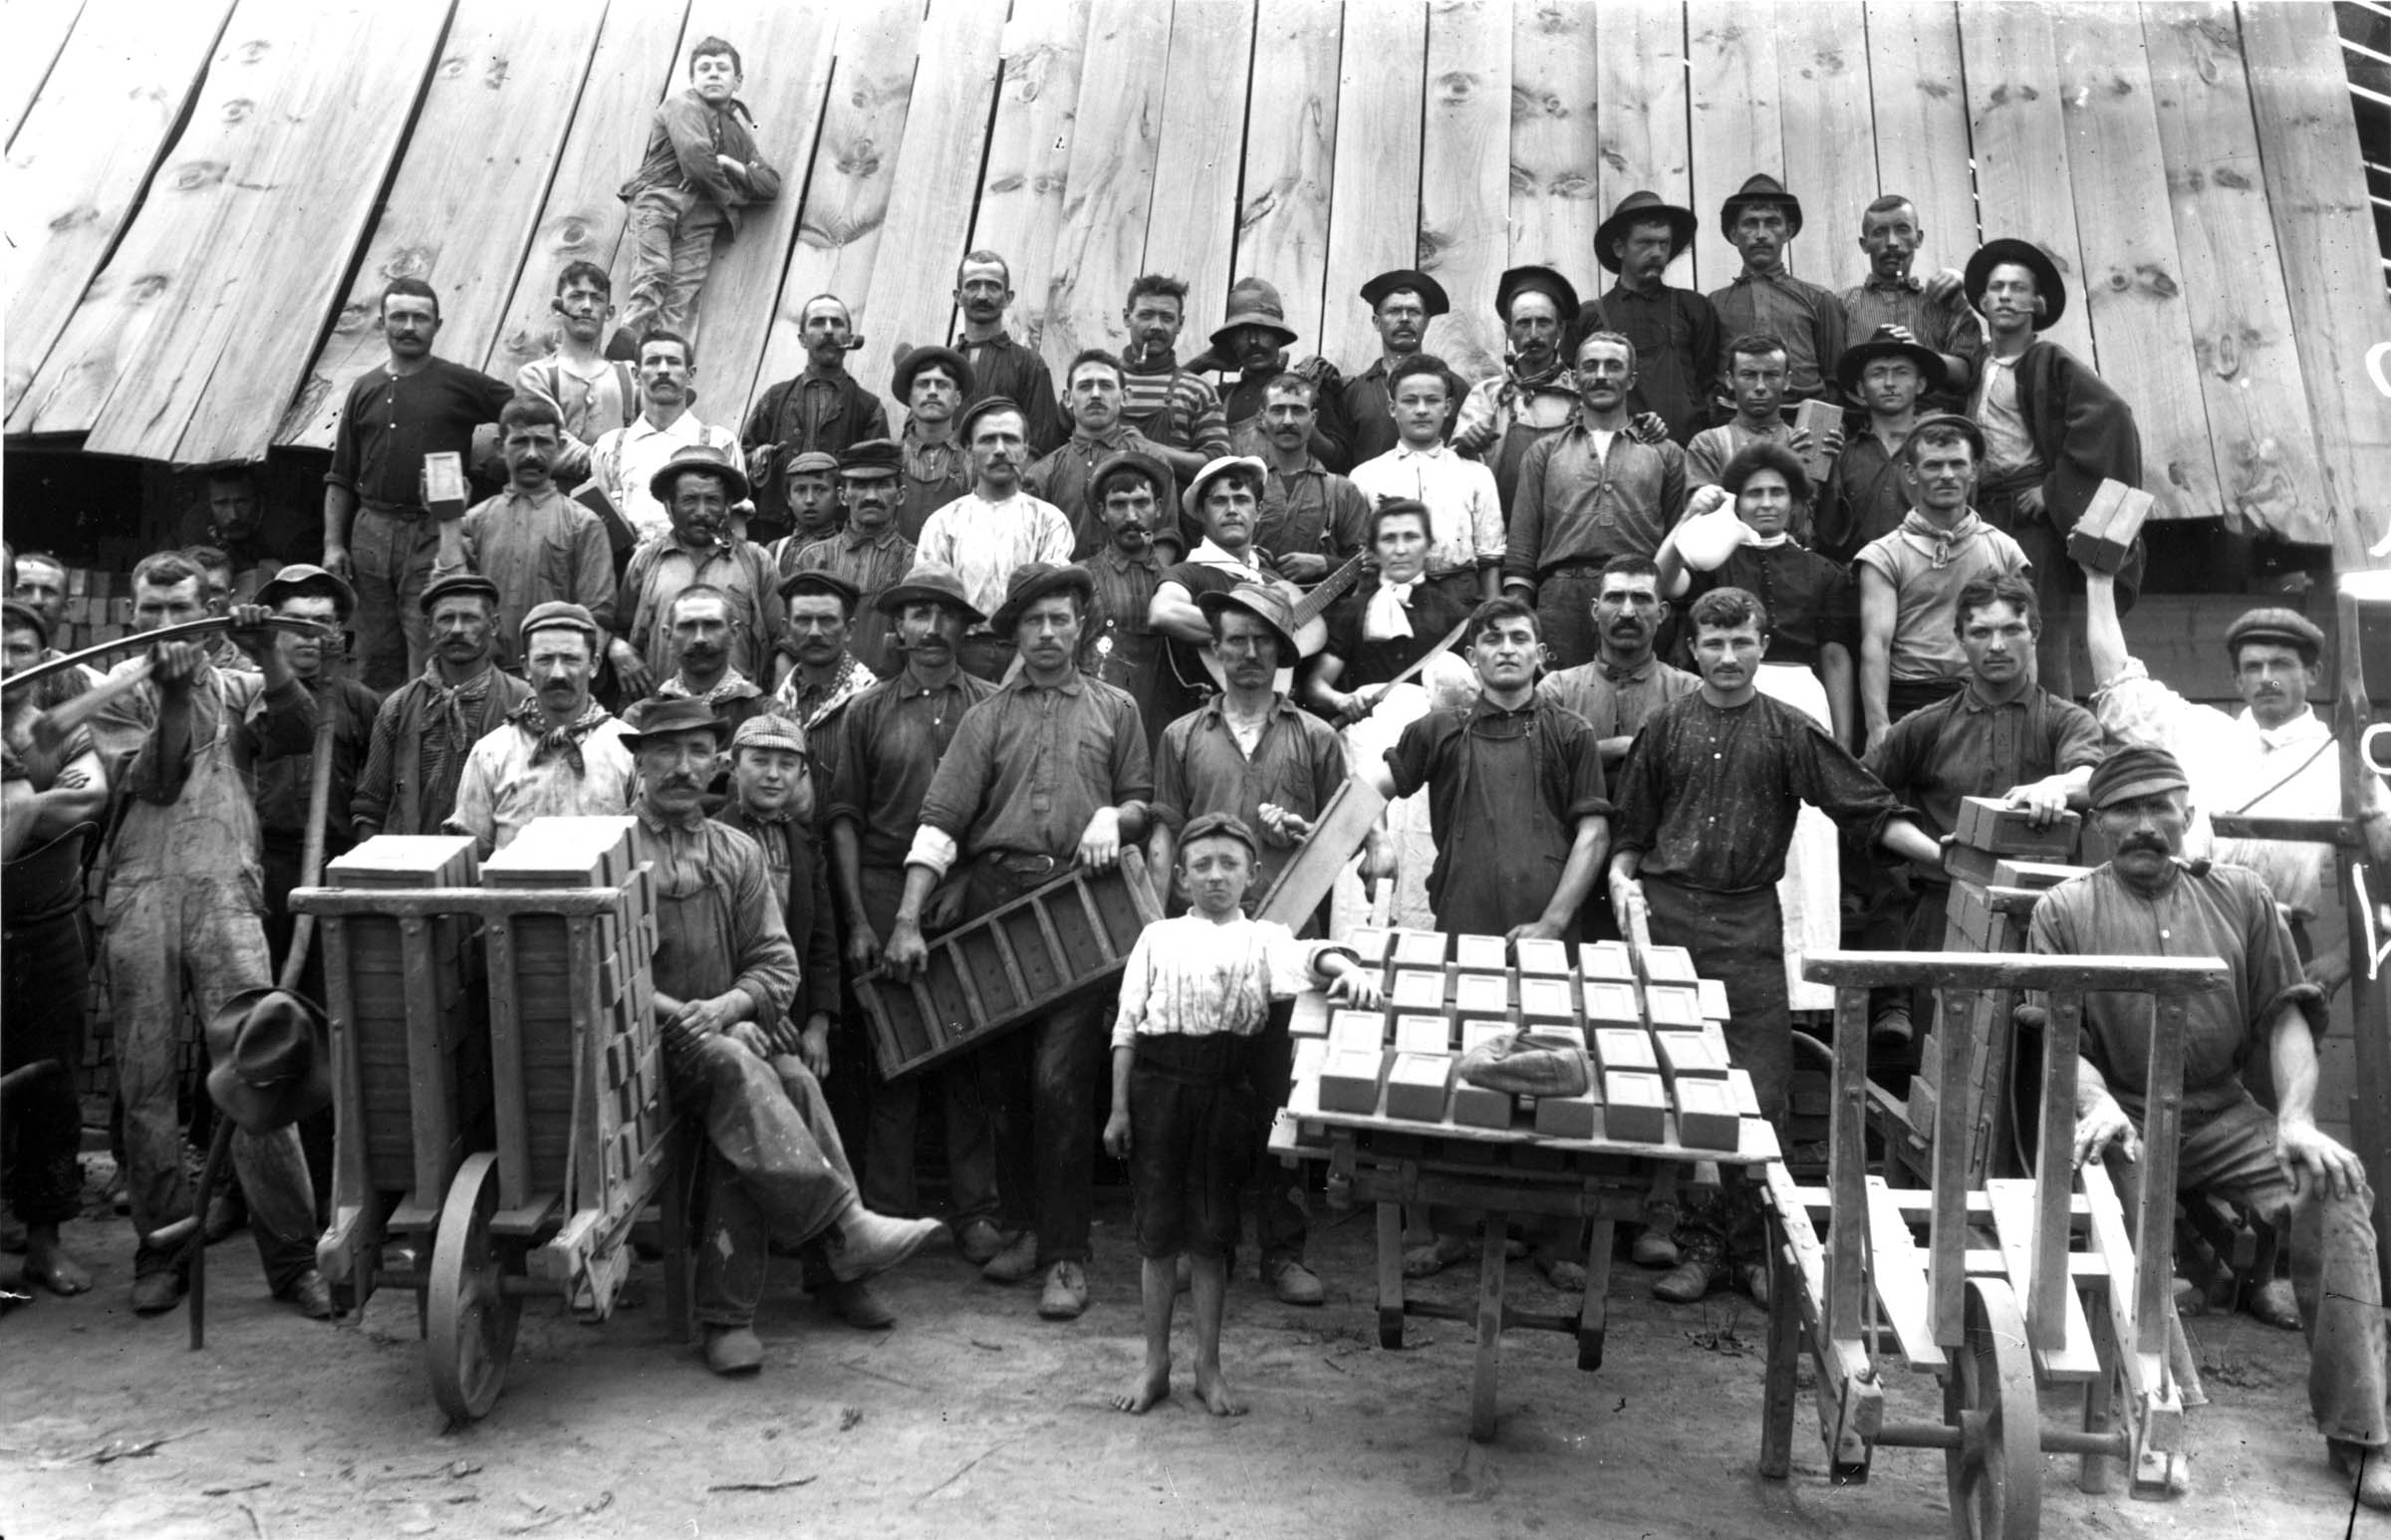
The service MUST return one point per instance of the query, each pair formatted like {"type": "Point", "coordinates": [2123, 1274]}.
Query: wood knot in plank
{"type": "Point", "coordinates": [495, 76]}
{"type": "Point", "coordinates": [237, 109]}
{"type": "Point", "coordinates": [252, 51]}
{"type": "Point", "coordinates": [407, 262]}
{"type": "Point", "coordinates": [2228, 176]}
{"type": "Point", "coordinates": [860, 159]}
{"type": "Point", "coordinates": [146, 287]}
{"type": "Point", "coordinates": [452, 66]}
{"type": "Point", "coordinates": [1572, 184]}
{"type": "Point", "coordinates": [2005, 93]}
{"type": "Point", "coordinates": [192, 175]}
{"type": "Point", "coordinates": [354, 318]}
{"type": "Point", "coordinates": [1939, 90]}
{"type": "Point", "coordinates": [82, 214]}
{"type": "Point", "coordinates": [1454, 86]}
{"type": "Point", "coordinates": [573, 234]}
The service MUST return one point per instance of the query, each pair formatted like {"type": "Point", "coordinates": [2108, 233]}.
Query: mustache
{"type": "Point", "coordinates": [2143, 841]}
{"type": "Point", "coordinates": [680, 782]}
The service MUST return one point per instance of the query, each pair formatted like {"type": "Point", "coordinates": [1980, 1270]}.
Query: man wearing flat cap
{"type": "Point", "coordinates": [889, 742]}
{"type": "Point", "coordinates": [774, 1169]}
{"type": "Point", "coordinates": [1674, 331]}
{"type": "Point", "coordinates": [427, 725]}
{"type": "Point", "coordinates": [822, 409]}
{"type": "Point", "coordinates": [823, 672]}
{"type": "Point", "coordinates": [870, 553]}
{"type": "Point", "coordinates": [531, 542]}
{"type": "Point", "coordinates": [1761, 219]}
{"type": "Point", "coordinates": [697, 487]}
{"type": "Point", "coordinates": [933, 382]}
{"type": "Point", "coordinates": [815, 509]}
{"type": "Point", "coordinates": [1534, 395]}
{"type": "Point", "coordinates": [997, 528]}
{"type": "Point", "coordinates": [1002, 367]}
{"type": "Point", "coordinates": [1049, 771]}
{"type": "Point", "coordinates": [1401, 304]}
{"type": "Point", "coordinates": [558, 753]}
{"type": "Point", "coordinates": [2148, 901]}
{"type": "Point", "coordinates": [2274, 758]}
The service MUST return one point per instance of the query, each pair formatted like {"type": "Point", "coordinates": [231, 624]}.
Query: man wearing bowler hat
{"type": "Point", "coordinates": [1761, 219]}
{"type": "Point", "coordinates": [1401, 304]}
{"type": "Point", "coordinates": [889, 742]}
{"type": "Point", "coordinates": [997, 528]}
{"type": "Point", "coordinates": [870, 553]}
{"type": "Point", "coordinates": [426, 726]}
{"type": "Point", "coordinates": [2148, 901]}
{"type": "Point", "coordinates": [559, 753]}
{"type": "Point", "coordinates": [934, 383]}
{"type": "Point", "coordinates": [1049, 771]}
{"type": "Point", "coordinates": [772, 1172]}
{"type": "Point", "coordinates": [697, 487]}
{"type": "Point", "coordinates": [1675, 331]}
{"type": "Point", "coordinates": [1534, 395]}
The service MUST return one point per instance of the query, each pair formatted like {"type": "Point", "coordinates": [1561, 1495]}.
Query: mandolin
{"type": "Point", "coordinates": [1311, 632]}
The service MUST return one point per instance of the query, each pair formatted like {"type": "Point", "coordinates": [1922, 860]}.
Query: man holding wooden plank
{"type": "Point", "coordinates": [1675, 331]}
{"type": "Point", "coordinates": [1760, 221]}
{"type": "Point", "coordinates": [1931, 313]}
{"type": "Point", "coordinates": [2147, 902]}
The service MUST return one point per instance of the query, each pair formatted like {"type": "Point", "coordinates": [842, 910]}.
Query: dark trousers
{"type": "Point", "coordinates": [47, 974]}
{"type": "Point", "coordinates": [1565, 615]}
{"type": "Point", "coordinates": [896, 1105]}
{"type": "Point", "coordinates": [1190, 1120]}
{"type": "Point", "coordinates": [1902, 697]}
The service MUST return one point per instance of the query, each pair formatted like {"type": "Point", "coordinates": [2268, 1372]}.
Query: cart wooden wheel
{"type": "Point", "coordinates": [1995, 1474]}
{"type": "Point", "coordinates": [473, 1317]}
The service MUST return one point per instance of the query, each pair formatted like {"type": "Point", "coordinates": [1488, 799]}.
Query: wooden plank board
{"type": "Point", "coordinates": [1640, 107]}
{"type": "Point", "coordinates": [1735, 125]}
{"type": "Point", "coordinates": [2239, 315]}
{"type": "Point", "coordinates": [241, 229]}
{"type": "Point", "coordinates": [1110, 183]}
{"type": "Point", "coordinates": [1381, 79]}
{"type": "Point", "coordinates": [2068, 1354]}
{"type": "Point", "coordinates": [1290, 148]}
{"type": "Point", "coordinates": [1192, 229]}
{"type": "Point", "coordinates": [38, 32]}
{"type": "Point", "coordinates": [937, 171]}
{"type": "Point", "coordinates": [2021, 143]}
{"type": "Point", "coordinates": [2331, 266]}
{"type": "Point", "coordinates": [1919, 107]}
{"type": "Point", "coordinates": [464, 205]}
{"type": "Point", "coordinates": [757, 342]}
{"type": "Point", "coordinates": [1029, 154]}
{"type": "Point", "coordinates": [1464, 188]}
{"type": "Point", "coordinates": [69, 189]}
{"type": "Point", "coordinates": [1823, 105]}
{"type": "Point", "coordinates": [581, 218]}
{"type": "Point", "coordinates": [1897, 1271]}
{"type": "Point", "coordinates": [2132, 288]}
{"type": "Point", "coordinates": [1556, 78]}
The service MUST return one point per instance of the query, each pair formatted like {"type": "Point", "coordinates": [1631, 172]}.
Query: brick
{"type": "Point", "coordinates": [1482, 995]}
{"type": "Point", "coordinates": [1968, 918]}
{"type": "Point", "coordinates": [1311, 1016]}
{"type": "Point", "coordinates": [1349, 1082]}
{"type": "Point", "coordinates": [1481, 953]}
{"type": "Point", "coordinates": [1546, 999]}
{"type": "Point", "coordinates": [1423, 1034]}
{"type": "Point", "coordinates": [1549, 1033]}
{"type": "Point", "coordinates": [1922, 1104]}
{"type": "Point", "coordinates": [1417, 990]}
{"type": "Point", "coordinates": [1311, 1054]}
{"type": "Point", "coordinates": [1672, 1005]}
{"type": "Point", "coordinates": [1713, 995]}
{"type": "Point", "coordinates": [1566, 1116]}
{"type": "Point", "coordinates": [1547, 958]}
{"type": "Point", "coordinates": [1475, 1034]}
{"type": "Point", "coordinates": [2038, 876]}
{"type": "Point", "coordinates": [2103, 538]}
{"type": "Point", "coordinates": [1607, 961]}
{"type": "Point", "coordinates": [1623, 1048]}
{"type": "Point", "coordinates": [1963, 865]}
{"type": "Point", "coordinates": [1613, 1006]}
{"type": "Point", "coordinates": [1476, 1106]}
{"type": "Point", "coordinates": [1419, 948]}
{"type": "Point", "coordinates": [1416, 1086]}
{"type": "Point", "coordinates": [1635, 1107]}
{"type": "Point", "coordinates": [1356, 1031]}
{"type": "Point", "coordinates": [1991, 825]}
{"type": "Point", "coordinates": [1370, 943]}
{"type": "Point", "coordinates": [1705, 1116]}
{"type": "Point", "coordinates": [1668, 965]}
{"type": "Point", "coordinates": [1688, 1055]}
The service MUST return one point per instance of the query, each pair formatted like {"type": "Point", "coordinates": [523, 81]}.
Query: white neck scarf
{"type": "Point", "coordinates": [1387, 617]}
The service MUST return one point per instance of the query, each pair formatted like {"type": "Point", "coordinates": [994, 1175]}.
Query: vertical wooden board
{"type": "Point", "coordinates": [1110, 183]}
{"type": "Point", "coordinates": [460, 213]}
{"type": "Point", "coordinates": [69, 189]}
{"type": "Point", "coordinates": [1735, 125]}
{"type": "Point", "coordinates": [1919, 102]}
{"type": "Point", "coordinates": [2233, 278]}
{"type": "Point", "coordinates": [2316, 191]}
{"type": "Point", "coordinates": [1556, 76]}
{"type": "Point", "coordinates": [1641, 107]}
{"type": "Point", "coordinates": [37, 32]}
{"type": "Point", "coordinates": [2021, 145]}
{"type": "Point", "coordinates": [1029, 154]}
{"type": "Point", "coordinates": [748, 326]}
{"type": "Point", "coordinates": [637, 53]}
{"type": "Point", "coordinates": [253, 213]}
{"type": "Point", "coordinates": [1290, 150]}
{"type": "Point", "coordinates": [1374, 220]}
{"type": "Point", "coordinates": [2133, 288]}
{"type": "Point", "coordinates": [1191, 231]}
{"type": "Point", "coordinates": [1465, 189]}
{"type": "Point", "coordinates": [938, 172]}
{"type": "Point", "coordinates": [1829, 132]}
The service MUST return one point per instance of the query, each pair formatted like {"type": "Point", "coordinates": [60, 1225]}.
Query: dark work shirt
{"type": "Point", "coordinates": [1811, 601]}
{"type": "Point", "coordinates": [1367, 427]}
{"type": "Point", "coordinates": [1297, 764]}
{"type": "Point", "coordinates": [1033, 763]}
{"type": "Point", "coordinates": [389, 423]}
{"type": "Point", "coordinates": [1808, 317]}
{"type": "Point", "coordinates": [1708, 794]}
{"type": "Point", "coordinates": [1062, 478]}
{"type": "Point", "coordinates": [1863, 500]}
{"type": "Point", "coordinates": [281, 740]}
{"type": "Point", "coordinates": [1677, 340]}
{"type": "Point", "coordinates": [1002, 367]}
{"type": "Point", "coordinates": [794, 866]}
{"type": "Point", "coordinates": [891, 740]}
{"type": "Point", "coordinates": [1968, 746]}
{"type": "Point", "coordinates": [1950, 327]}
{"type": "Point", "coordinates": [1313, 512]}
{"type": "Point", "coordinates": [1436, 752]}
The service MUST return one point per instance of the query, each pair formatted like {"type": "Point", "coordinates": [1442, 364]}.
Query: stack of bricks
{"type": "Point", "coordinates": [98, 608]}
{"type": "Point", "coordinates": [1995, 847]}
{"type": "Point", "coordinates": [1655, 1043]}
{"type": "Point", "coordinates": [599, 1023]}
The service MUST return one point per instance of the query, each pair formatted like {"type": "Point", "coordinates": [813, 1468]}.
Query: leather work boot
{"type": "Point", "coordinates": [856, 1304]}
{"type": "Point", "coordinates": [1688, 1281]}
{"type": "Point", "coordinates": [863, 1243]}
{"type": "Point", "coordinates": [1016, 1261]}
{"type": "Point", "coordinates": [978, 1241]}
{"type": "Point", "coordinates": [311, 1296]}
{"type": "Point", "coordinates": [1066, 1293]}
{"type": "Point", "coordinates": [157, 1293]}
{"type": "Point", "coordinates": [1294, 1284]}
{"type": "Point", "coordinates": [733, 1350]}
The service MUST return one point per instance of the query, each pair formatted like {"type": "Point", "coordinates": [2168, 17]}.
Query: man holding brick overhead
{"type": "Point", "coordinates": [1051, 770]}
{"type": "Point", "coordinates": [1674, 331]}
{"type": "Point", "coordinates": [2002, 735]}
{"type": "Point", "coordinates": [377, 534]}
{"type": "Point", "coordinates": [1001, 367]}
{"type": "Point", "coordinates": [427, 725]}
{"type": "Point", "coordinates": [2149, 902]}
{"type": "Point", "coordinates": [775, 1170]}
{"type": "Point", "coordinates": [1586, 494]}
{"type": "Point", "coordinates": [1706, 805]}
{"type": "Point", "coordinates": [1759, 221]}
{"type": "Point", "coordinates": [560, 752]}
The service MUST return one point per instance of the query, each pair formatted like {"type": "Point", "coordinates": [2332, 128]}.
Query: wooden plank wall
{"type": "Point", "coordinates": [2152, 149]}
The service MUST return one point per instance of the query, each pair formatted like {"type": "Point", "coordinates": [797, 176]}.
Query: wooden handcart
{"type": "Point", "coordinates": [548, 1169]}
{"type": "Point", "coordinates": [2060, 1296]}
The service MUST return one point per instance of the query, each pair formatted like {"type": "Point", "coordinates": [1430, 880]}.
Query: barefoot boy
{"type": "Point", "coordinates": [1193, 1002]}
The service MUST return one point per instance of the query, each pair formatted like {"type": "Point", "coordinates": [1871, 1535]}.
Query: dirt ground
{"type": "Point", "coordinates": [974, 1417]}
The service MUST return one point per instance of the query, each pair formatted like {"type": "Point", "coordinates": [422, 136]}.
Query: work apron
{"type": "Point", "coordinates": [1502, 871]}
{"type": "Point", "coordinates": [1736, 938]}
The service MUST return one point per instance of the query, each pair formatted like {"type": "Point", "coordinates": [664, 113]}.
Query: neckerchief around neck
{"type": "Point", "coordinates": [559, 742]}
{"type": "Point", "coordinates": [1938, 543]}
{"type": "Point", "coordinates": [447, 703]}
{"type": "Point", "coordinates": [1386, 615]}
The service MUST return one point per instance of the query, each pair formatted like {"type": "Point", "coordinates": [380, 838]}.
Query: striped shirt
{"type": "Point", "coordinates": [1171, 406]}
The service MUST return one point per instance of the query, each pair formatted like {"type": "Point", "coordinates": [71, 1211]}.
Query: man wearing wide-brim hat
{"type": "Point", "coordinates": [1535, 394]}
{"type": "Point", "coordinates": [1050, 772]}
{"type": "Point", "coordinates": [1761, 219]}
{"type": "Point", "coordinates": [1253, 341]}
{"type": "Point", "coordinates": [1253, 755]}
{"type": "Point", "coordinates": [871, 552]}
{"type": "Point", "coordinates": [2053, 429]}
{"type": "Point", "coordinates": [1136, 497]}
{"type": "Point", "coordinates": [698, 487]}
{"type": "Point", "coordinates": [724, 955]}
{"type": "Point", "coordinates": [1401, 303]}
{"type": "Point", "coordinates": [2147, 900]}
{"type": "Point", "coordinates": [1676, 333]}
{"type": "Point", "coordinates": [1865, 497]}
